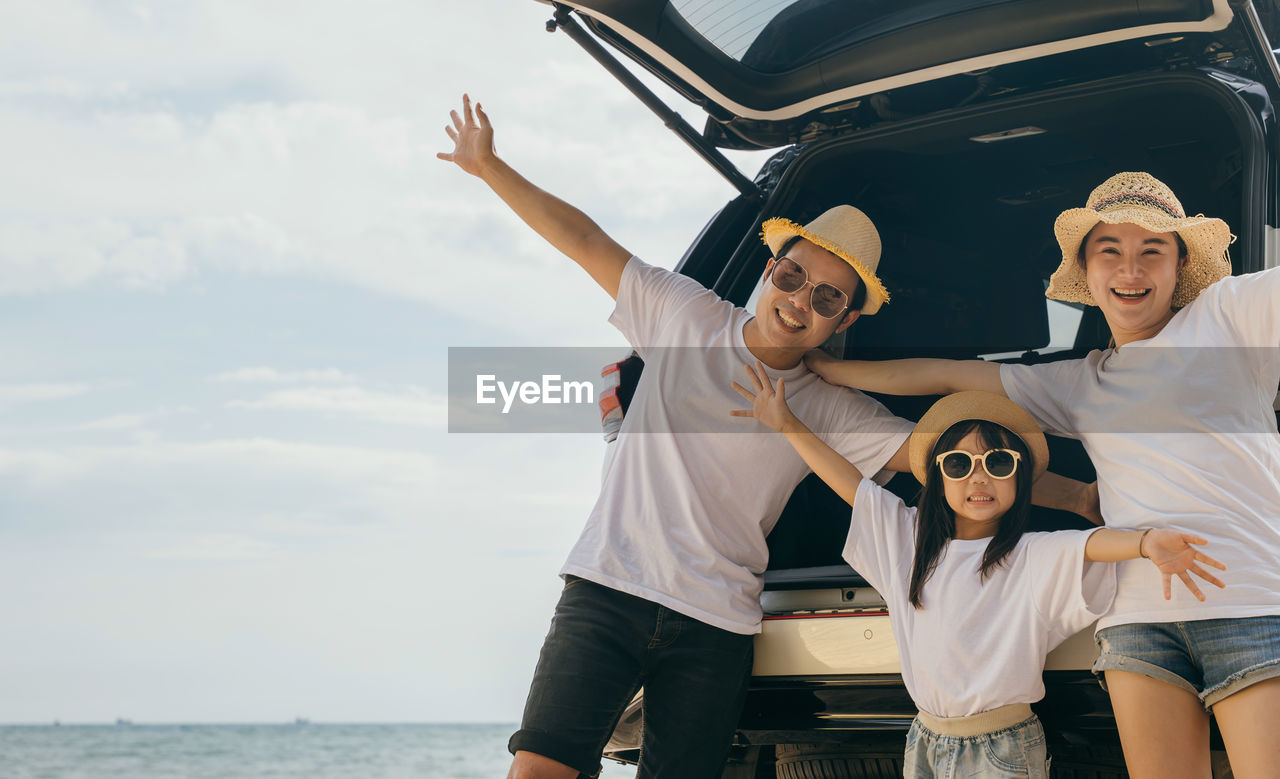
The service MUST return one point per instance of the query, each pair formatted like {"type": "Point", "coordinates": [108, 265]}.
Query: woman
{"type": "Point", "coordinates": [1177, 417]}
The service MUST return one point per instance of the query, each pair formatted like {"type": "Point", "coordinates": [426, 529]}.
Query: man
{"type": "Point", "coordinates": [662, 588]}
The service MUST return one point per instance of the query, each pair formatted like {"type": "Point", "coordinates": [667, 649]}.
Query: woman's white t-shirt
{"type": "Point", "coordinates": [975, 645]}
{"type": "Point", "coordinates": [1182, 432]}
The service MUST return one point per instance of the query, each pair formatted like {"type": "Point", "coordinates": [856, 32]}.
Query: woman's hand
{"type": "Point", "coordinates": [1172, 552]}
{"type": "Point", "coordinates": [472, 137]}
{"type": "Point", "coordinates": [769, 403]}
{"type": "Point", "coordinates": [820, 363]}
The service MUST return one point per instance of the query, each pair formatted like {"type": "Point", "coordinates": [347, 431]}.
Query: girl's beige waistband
{"type": "Point", "coordinates": [977, 724]}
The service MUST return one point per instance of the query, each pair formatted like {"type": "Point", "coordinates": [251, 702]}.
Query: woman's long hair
{"type": "Point", "coordinates": [936, 522]}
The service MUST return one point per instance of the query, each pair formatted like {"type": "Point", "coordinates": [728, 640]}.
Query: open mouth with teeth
{"type": "Point", "coordinates": [979, 499]}
{"type": "Point", "coordinates": [1130, 293]}
{"type": "Point", "coordinates": [788, 321]}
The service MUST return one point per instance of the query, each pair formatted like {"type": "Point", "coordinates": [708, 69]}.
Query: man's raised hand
{"type": "Point", "coordinates": [472, 137]}
{"type": "Point", "coordinates": [769, 402]}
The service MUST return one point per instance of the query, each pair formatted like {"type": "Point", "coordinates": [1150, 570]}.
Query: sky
{"type": "Point", "coordinates": [231, 269]}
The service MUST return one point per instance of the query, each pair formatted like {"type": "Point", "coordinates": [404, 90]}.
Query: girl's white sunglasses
{"type": "Point", "coordinates": [957, 464]}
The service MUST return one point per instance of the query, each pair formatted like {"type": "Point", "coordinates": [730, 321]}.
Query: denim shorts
{"type": "Point", "coordinates": [1210, 658]}
{"type": "Point", "coordinates": [1017, 751]}
{"type": "Point", "coordinates": [603, 646]}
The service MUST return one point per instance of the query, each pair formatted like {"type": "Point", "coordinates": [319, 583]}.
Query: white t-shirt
{"type": "Point", "coordinates": [975, 645]}
{"type": "Point", "coordinates": [692, 492]}
{"type": "Point", "coordinates": [1181, 429]}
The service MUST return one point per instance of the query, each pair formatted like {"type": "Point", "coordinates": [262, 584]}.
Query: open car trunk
{"type": "Point", "coordinates": [969, 245]}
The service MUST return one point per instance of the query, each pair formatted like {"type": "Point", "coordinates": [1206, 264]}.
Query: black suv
{"type": "Point", "coordinates": [962, 128]}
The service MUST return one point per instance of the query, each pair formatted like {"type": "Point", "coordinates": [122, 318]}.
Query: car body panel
{"type": "Point", "coordinates": [862, 642]}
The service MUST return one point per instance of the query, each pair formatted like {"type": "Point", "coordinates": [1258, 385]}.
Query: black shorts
{"type": "Point", "coordinates": [603, 646]}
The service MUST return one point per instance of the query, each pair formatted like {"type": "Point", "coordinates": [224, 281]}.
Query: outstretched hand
{"type": "Point", "coordinates": [1172, 552]}
{"type": "Point", "coordinates": [472, 136]}
{"type": "Point", "coordinates": [769, 403]}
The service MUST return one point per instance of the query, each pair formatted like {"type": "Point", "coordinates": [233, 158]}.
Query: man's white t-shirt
{"type": "Point", "coordinates": [692, 492]}
{"type": "Point", "coordinates": [975, 645]}
{"type": "Point", "coordinates": [1181, 429]}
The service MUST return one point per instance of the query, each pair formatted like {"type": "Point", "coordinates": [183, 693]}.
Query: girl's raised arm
{"type": "Point", "coordinates": [1169, 550]}
{"type": "Point", "coordinates": [769, 405]}
{"type": "Point", "coordinates": [916, 376]}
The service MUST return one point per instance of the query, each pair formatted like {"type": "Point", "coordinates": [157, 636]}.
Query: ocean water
{"type": "Point", "coordinates": [311, 751]}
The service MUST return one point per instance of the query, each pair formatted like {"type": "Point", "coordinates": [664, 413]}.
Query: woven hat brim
{"type": "Point", "coordinates": [1207, 239]}
{"type": "Point", "coordinates": [975, 405]}
{"type": "Point", "coordinates": [777, 230]}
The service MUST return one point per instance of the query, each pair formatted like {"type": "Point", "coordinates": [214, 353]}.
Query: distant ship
{"type": "Point", "coordinates": [122, 722]}
{"type": "Point", "coordinates": [301, 721]}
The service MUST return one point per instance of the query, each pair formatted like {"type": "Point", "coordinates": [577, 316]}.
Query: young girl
{"type": "Point", "coordinates": [976, 603]}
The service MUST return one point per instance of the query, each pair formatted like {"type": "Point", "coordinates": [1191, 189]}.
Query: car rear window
{"type": "Point", "coordinates": [774, 36]}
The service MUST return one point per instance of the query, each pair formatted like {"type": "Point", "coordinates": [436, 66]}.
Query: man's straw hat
{"type": "Point", "coordinates": [973, 404]}
{"type": "Point", "coordinates": [1141, 199]}
{"type": "Point", "coordinates": [845, 232]}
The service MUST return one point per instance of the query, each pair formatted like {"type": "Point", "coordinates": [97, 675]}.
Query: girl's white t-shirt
{"type": "Point", "coordinates": [975, 645]}
{"type": "Point", "coordinates": [1182, 432]}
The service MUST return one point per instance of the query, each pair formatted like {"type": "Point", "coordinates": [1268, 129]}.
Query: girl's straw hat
{"type": "Point", "coordinates": [986, 406]}
{"type": "Point", "coordinates": [845, 232]}
{"type": "Point", "coordinates": [1141, 199]}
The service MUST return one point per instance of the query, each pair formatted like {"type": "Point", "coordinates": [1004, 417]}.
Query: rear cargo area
{"type": "Point", "coordinates": [967, 228]}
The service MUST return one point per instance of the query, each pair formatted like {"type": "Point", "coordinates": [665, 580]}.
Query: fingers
{"type": "Point", "coordinates": [742, 412]}
{"type": "Point", "coordinates": [781, 389]}
{"type": "Point", "coordinates": [744, 392]}
{"type": "Point", "coordinates": [1201, 557]}
{"type": "Point", "coordinates": [453, 134]}
{"type": "Point", "coordinates": [1191, 585]}
{"type": "Point", "coordinates": [1168, 587]}
{"type": "Point", "coordinates": [443, 156]}
{"type": "Point", "coordinates": [483, 117]}
{"type": "Point", "coordinates": [466, 111]}
{"type": "Point", "coordinates": [767, 387]}
{"type": "Point", "coordinates": [457, 120]}
{"type": "Point", "coordinates": [1203, 574]}
{"type": "Point", "coordinates": [759, 385]}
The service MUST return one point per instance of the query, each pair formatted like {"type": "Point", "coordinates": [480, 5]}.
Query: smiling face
{"type": "Point", "coordinates": [979, 501]}
{"type": "Point", "coordinates": [1131, 273]}
{"type": "Point", "coordinates": [785, 324]}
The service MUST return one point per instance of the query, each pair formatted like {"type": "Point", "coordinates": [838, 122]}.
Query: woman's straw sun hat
{"type": "Point", "coordinates": [986, 406]}
{"type": "Point", "coordinates": [1144, 200]}
{"type": "Point", "coordinates": [845, 232]}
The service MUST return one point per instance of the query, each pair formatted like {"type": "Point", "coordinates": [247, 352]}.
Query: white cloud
{"type": "Point", "coordinates": [407, 407]}
{"type": "Point", "coordinates": [268, 375]}
{"type": "Point", "coordinates": [213, 546]}
{"type": "Point", "coordinates": [16, 394]}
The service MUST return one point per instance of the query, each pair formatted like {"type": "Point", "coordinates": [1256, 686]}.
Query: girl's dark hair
{"type": "Point", "coordinates": [936, 522]}
{"type": "Point", "coordinates": [859, 298]}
